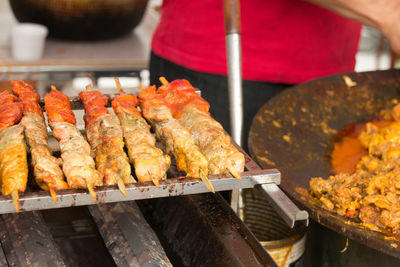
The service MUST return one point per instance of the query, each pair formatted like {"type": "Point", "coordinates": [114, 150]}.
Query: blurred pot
{"type": "Point", "coordinates": [82, 19]}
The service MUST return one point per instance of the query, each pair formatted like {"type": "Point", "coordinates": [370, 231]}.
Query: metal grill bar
{"type": "Point", "coordinates": [106, 194]}
{"type": "Point", "coordinates": [128, 236]}
{"type": "Point", "coordinates": [26, 241]}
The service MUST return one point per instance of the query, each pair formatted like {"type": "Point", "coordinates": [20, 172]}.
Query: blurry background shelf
{"type": "Point", "coordinates": [129, 51]}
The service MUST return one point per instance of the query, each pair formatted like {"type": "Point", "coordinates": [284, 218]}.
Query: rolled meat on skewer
{"type": "Point", "coordinates": [13, 160]}
{"type": "Point", "coordinates": [150, 163]}
{"type": "Point", "coordinates": [78, 164]}
{"type": "Point", "coordinates": [192, 111]}
{"type": "Point", "coordinates": [105, 135]}
{"type": "Point", "coordinates": [177, 140]}
{"type": "Point", "coordinates": [46, 168]}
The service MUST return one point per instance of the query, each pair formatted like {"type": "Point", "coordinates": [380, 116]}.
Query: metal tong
{"type": "Point", "coordinates": [283, 205]}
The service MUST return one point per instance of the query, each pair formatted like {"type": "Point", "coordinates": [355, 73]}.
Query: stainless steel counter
{"type": "Point", "coordinates": [128, 52]}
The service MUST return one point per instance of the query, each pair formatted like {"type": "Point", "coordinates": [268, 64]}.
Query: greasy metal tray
{"type": "Point", "coordinates": [36, 199]}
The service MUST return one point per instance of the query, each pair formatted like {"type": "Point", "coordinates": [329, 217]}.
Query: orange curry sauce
{"type": "Point", "coordinates": [347, 149]}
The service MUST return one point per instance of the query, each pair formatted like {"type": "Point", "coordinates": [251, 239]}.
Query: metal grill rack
{"type": "Point", "coordinates": [36, 199]}
{"type": "Point", "coordinates": [231, 240]}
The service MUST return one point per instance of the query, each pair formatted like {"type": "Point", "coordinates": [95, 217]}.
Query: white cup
{"type": "Point", "coordinates": [27, 41]}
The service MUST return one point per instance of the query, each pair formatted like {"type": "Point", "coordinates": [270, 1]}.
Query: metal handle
{"type": "Point", "coordinates": [232, 16]}
{"type": "Point", "coordinates": [288, 211]}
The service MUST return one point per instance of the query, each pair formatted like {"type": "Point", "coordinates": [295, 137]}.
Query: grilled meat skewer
{"type": "Point", "coordinates": [177, 140]}
{"type": "Point", "coordinates": [78, 164]}
{"type": "Point", "coordinates": [192, 111]}
{"type": "Point", "coordinates": [150, 163]}
{"type": "Point", "coordinates": [105, 135]}
{"type": "Point", "coordinates": [13, 160]}
{"type": "Point", "coordinates": [46, 168]}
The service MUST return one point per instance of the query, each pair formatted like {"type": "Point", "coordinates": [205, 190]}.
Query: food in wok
{"type": "Point", "coordinates": [371, 193]}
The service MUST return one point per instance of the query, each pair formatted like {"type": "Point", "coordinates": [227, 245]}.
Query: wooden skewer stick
{"type": "Point", "coordinates": [207, 181]}
{"type": "Point", "coordinates": [234, 172]}
{"type": "Point", "coordinates": [121, 186]}
{"type": "Point", "coordinates": [119, 87]}
{"type": "Point", "coordinates": [163, 80]}
{"type": "Point", "coordinates": [53, 194]}
{"type": "Point", "coordinates": [141, 85]}
{"type": "Point", "coordinates": [154, 179]}
{"type": "Point", "coordinates": [89, 87]}
{"type": "Point", "coordinates": [15, 199]}
{"type": "Point", "coordinates": [91, 191]}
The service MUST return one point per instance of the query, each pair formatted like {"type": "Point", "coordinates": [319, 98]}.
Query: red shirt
{"type": "Point", "coordinates": [285, 41]}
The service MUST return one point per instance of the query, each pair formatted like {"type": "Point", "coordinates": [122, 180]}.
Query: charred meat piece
{"type": "Point", "coordinates": [105, 136]}
{"type": "Point", "coordinates": [177, 140]}
{"type": "Point", "coordinates": [150, 163]}
{"type": "Point", "coordinates": [191, 110]}
{"type": "Point", "coordinates": [13, 160]}
{"type": "Point", "coordinates": [78, 164]}
{"type": "Point", "coordinates": [47, 171]}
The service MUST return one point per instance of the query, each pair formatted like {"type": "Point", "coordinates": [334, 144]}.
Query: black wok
{"type": "Point", "coordinates": [293, 130]}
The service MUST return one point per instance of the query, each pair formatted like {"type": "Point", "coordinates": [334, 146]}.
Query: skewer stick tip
{"type": "Point", "coordinates": [121, 187]}
{"type": "Point", "coordinates": [119, 86]}
{"type": "Point", "coordinates": [15, 199]}
{"type": "Point", "coordinates": [163, 80]}
{"type": "Point", "coordinates": [207, 182]}
{"type": "Point", "coordinates": [234, 173]}
{"type": "Point", "coordinates": [53, 194]}
{"type": "Point", "coordinates": [154, 179]}
{"type": "Point", "coordinates": [91, 192]}
{"type": "Point", "coordinates": [89, 87]}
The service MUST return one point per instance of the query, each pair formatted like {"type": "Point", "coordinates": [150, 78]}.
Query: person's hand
{"type": "Point", "coordinates": [383, 15]}
{"type": "Point", "coordinates": [392, 33]}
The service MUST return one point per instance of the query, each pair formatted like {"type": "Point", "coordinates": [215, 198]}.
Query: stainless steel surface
{"type": "Point", "coordinates": [234, 61]}
{"type": "Point", "coordinates": [132, 49]}
{"type": "Point", "coordinates": [106, 194]}
{"type": "Point", "coordinates": [282, 204]}
{"type": "Point", "coordinates": [232, 21]}
{"type": "Point", "coordinates": [287, 210]}
{"type": "Point", "coordinates": [4, 71]}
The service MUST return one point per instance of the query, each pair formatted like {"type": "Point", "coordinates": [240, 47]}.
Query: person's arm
{"type": "Point", "coordinates": [383, 15]}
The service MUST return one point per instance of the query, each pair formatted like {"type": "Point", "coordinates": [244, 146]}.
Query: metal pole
{"type": "Point", "coordinates": [284, 206]}
{"type": "Point", "coordinates": [234, 62]}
